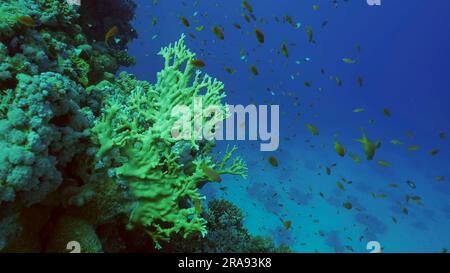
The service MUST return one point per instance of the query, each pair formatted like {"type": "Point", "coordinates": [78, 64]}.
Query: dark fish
{"type": "Point", "coordinates": [254, 70]}
{"type": "Point", "coordinates": [198, 63]}
{"type": "Point", "coordinates": [246, 5]}
{"type": "Point", "coordinates": [360, 81]}
{"type": "Point", "coordinates": [411, 184]}
{"type": "Point", "coordinates": [184, 21]}
{"type": "Point", "coordinates": [287, 225]}
{"type": "Point", "coordinates": [236, 25]}
{"type": "Point", "coordinates": [219, 32]}
{"type": "Point", "coordinates": [434, 152]}
{"type": "Point", "coordinates": [259, 36]}
{"type": "Point", "coordinates": [230, 70]}
{"type": "Point", "coordinates": [288, 19]}
{"type": "Point", "coordinates": [284, 50]}
{"type": "Point", "coordinates": [309, 31]}
{"type": "Point", "coordinates": [347, 205]}
{"type": "Point", "coordinates": [387, 112]}
{"type": "Point", "coordinates": [273, 161]}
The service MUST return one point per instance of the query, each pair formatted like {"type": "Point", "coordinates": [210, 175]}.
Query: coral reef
{"type": "Point", "coordinates": [87, 156]}
{"type": "Point", "coordinates": [226, 234]}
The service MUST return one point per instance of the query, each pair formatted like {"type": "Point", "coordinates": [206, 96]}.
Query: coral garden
{"type": "Point", "coordinates": [86, 155]}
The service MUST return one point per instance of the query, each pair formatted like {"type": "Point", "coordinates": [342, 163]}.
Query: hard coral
{"type": "Point", "coordinates": [135, 142]}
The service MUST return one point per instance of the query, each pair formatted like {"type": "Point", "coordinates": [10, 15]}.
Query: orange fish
{"type": "Point", "coordinates": [111, 33]}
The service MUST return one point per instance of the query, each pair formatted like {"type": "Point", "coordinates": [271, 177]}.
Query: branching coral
{"type": "Point", "coordinates": [134, 135]}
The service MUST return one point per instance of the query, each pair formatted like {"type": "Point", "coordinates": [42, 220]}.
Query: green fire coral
{"type": "Point", "coordinates": [134, 138]}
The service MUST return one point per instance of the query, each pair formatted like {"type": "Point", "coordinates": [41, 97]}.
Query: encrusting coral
{"type": "Point", "coordinates": [81, 150]}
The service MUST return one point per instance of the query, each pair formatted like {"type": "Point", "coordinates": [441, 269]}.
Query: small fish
{"type": "Point", "coordinates": [219, 32]}
{"type": "Point", "coordinates": [309, 31]}
{"type": "Point", "coordinates": [200, 28]}
{"type": "Point", "coordinates": [381, 195]}
{"type": "Point", "coordinates": [287, 225]}
{"type": "Point", "coordinates": [185, 21]}
{"type": "Point", "coordinates": [26, 20]}
{"type": "Point", "coordinates": [440, 178]}
{"type": "Point", "coordinates": [254, 70]}
{"type": "Point", "coordinates": [355, 158]}
{"type": "Point", "coordinates": [393, 185]}
{"type": "Point", "coordinates": [246, 5]}
{"type": "Point", "coordinates": [405, 210]}
{"type": "Point", "coordinates": [284, 50]}
{"type": "Point", "coordinates": [413, 148]}
{"type": "Point", "coordinates": [360, 81]}
{"type": "Point", "coordinates": [358, 110]}
{"type": "Point", "coordinates": [340, 150]}
{"type": "Point", "coordinates": [211, 174]}
{"type": "Point", "coordinates": [315, 7]}
{"type": "Point", "coordinates": [411, 184]}
{"type": "Point", "coordinates": [230, 70]}
{"type": "Point", "coordinates": [416, 199]}
{"type": "Point", "coordinates": [347, 205]}
{"type": "Point", "coordinates": [198, 63]}
{"type": "Point", "coordinates": [434, 152]}
{"type": "Point", "coordinates": [442, 135]}
{"type": "Point", "coordinates": [384, 163]}
{"type": "Point", "coordinates": [312, 129]}
{"type": "Point", "coordinates": [111, 33]}
{"type": "Point", "coordinates": [396, 142]}
{"type": "Point", "coordinates": [198, 206]}
{"type": "Point", "coordinates": [288, 19]}
{"type": "Point", "coordinates": [328, 171]}
{"type": "Point", "coordinates": [273, 161]}
{"type": "Point", "coordinates": [340, 185]}
{"type": "Point", "coordinates": [369, 147]}
{"type": "Point", "coordinates": [387, 112]}
{"type": "Point", "coordinates": [349, 61]}
{"type": "Point", "coordinates": [236, 25]}
{"type": "Point", "coordinates": [259, 36]}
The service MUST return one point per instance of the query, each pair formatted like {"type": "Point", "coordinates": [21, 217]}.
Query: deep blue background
{"type": "Point", "coordinates": [404, 61]}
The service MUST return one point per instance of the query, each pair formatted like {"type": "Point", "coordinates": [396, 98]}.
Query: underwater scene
{"type": "Point", "coordinates": [238, 126]}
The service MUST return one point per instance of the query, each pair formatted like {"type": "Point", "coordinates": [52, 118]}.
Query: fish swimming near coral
{"type": "Point", "coordinates": [198, 63]}
{"type": "Point", "coordinates": [111, 33]}
{"type": "Point", "coordinates": [211, 174]}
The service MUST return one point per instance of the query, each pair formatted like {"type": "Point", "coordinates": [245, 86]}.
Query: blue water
{"type": "Point", "coordinates": [405, 64]}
